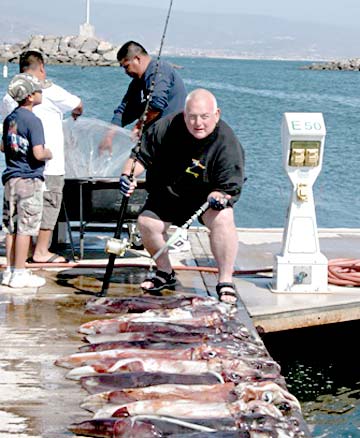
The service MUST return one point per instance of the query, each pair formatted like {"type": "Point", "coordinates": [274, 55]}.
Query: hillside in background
{"type": "Point", "coordinates": [205, 34]}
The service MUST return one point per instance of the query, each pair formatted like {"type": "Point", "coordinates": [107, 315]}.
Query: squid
{"type": "Point", "coordinates": [138, 427]}
{"type": "Point", "coordinates": [188, 409]}
{"type": "Point", "coordinates": [107, 305]}
{"type": "Point", "coordinates": [107, 382]}
{"type": "Point", "coordinates": [235, 370]}
{"type": "Point", "coordinates": [269, 392]}
{"type": "Point", "coordinates": [164, 341]}
{"type": "Point", "coordinates": [197, 318]}
{"type": "Point", "coordinates": [247, 347]}
{"type": "Point", "coordinates": [202, 352]}
{"type": "Point", "coordinates": [220, 392]}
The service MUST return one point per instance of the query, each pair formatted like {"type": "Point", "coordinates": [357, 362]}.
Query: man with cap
{"type": "Point", "coordinates": [55, 103]}
{"type": "Point", "coordinates": [25, 155]}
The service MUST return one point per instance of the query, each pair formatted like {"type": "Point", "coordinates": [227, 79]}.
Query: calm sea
{"type": "Point", "coordinates": [253, 96]}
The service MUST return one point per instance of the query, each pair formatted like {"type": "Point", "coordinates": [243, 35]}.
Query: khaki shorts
{"type": "Point", "coordinates": [53, 194]}
{"type": "Point", "coordinates": [23, 202]}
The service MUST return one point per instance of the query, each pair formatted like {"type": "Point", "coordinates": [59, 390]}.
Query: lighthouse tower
{"type": "Point", "coordinates": [86, 29]}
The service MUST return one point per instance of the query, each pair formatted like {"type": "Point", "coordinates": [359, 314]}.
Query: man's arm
{"type": "Point", "coordinates": [106, 142]}
{"type": "Point", "coordinates": [7, 105]}
{"type": "Point", "coordinates": [227, 176]}
{"type": "Point", "coordinates": [138, 170]}
{"type": "Point", "coordinates": [118, 112]}
{"type": "Point", "coordinates": [163, 82]}
{"type": "Point", "coordinates": [117, 118]}
{"type": "Point", "coordinates": [76, 112]}
{"type": "Point", "coordinates": [41, 153]}
{"type": "Point", "coordinates": [151, 116]}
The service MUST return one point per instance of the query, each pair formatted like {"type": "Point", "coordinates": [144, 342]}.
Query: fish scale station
{"type": "Point", "coordinates": [181, 364]}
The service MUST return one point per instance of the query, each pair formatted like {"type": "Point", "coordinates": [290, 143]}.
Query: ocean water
{"type": "Point", "coordinates": [253, 95]}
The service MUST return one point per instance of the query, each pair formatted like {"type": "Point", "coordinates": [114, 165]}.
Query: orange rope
{"type": "Point", "coordinates": [341, 272]}
{"type": "Point", "coordinates": [209, 269]}
{"type": "Point", "coordinates": [344, 272]}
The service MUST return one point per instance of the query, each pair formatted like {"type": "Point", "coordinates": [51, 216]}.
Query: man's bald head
{"type": "Point", "coordinates": [201, 113]}
{"type": "Point", "coordinates": [201, 94]}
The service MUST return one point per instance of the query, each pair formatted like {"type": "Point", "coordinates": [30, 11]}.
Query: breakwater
{"type": "Point", "coordinates": [74, 50]}
{"type": "Point", "coordinates": [352, 64]}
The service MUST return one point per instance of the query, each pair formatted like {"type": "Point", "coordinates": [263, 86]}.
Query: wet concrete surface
{"type": "Point", "coordinates": [39, 326]}
{"type": "Point", "coordinates": [35, 329]}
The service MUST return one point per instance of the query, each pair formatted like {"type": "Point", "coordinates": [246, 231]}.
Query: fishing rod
{"type": "Point", "coordinates": [125, 199]}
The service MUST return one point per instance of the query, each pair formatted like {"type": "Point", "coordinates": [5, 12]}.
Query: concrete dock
{"type": "Point", "coordinates": [38, 326]}
{"type": "Point", "coordinates": [268, 310]}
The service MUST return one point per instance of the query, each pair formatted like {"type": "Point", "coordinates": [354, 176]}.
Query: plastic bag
{"type": "Point", "coordinates": [81, 142]}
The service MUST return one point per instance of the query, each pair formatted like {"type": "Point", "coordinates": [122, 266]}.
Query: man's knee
{"type": "Point", "coordinates": [147, 220]}
{"type": "Point", "coordinates": [216, 219]}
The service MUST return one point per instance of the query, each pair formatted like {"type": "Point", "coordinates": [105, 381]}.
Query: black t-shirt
{"type": "Point", "coordinates": [183, 166]}
{"type": "Point", "coordinates": [21, 132]}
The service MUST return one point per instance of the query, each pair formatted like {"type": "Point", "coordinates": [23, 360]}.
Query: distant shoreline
{"type": "Point", "coordinates": [91, 51]}
{"type": "Point", "coordinates": [244, 58]}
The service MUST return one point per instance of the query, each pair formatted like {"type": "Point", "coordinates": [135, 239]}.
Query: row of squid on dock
{"type": "Point", "coordinates": [178, 366]}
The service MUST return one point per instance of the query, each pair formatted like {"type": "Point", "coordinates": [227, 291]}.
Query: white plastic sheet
{"type": "Point", "coordinates": [82, 158]}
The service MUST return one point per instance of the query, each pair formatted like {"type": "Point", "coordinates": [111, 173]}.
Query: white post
{"type": "Point", "coordinates": [87, 11]}
{"type": "Point", "coordinates": [86, 29]}
{"type": "Point", "coordinates": [301, 267]}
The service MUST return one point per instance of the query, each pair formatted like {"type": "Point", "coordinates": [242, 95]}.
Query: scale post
{"type": "Point", "coordinates": [301, 267]}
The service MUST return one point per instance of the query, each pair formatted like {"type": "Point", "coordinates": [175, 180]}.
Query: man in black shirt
{"type": "Point", "coordinates": [190, 157]}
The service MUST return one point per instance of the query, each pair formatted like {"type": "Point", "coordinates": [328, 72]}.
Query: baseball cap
{"type": "Point", "coordinates": [23, 85]}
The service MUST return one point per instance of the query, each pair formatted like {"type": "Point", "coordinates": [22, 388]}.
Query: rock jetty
{"type": "Point", "coordinates": [74, 50]}
{"type": "Point", "coordinates": [346, 65]}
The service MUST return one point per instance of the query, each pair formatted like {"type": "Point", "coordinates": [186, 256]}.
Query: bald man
{"type": "Point", "coordinates": [190, 157]}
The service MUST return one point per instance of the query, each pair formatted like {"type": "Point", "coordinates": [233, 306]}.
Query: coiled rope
{"type": "Point", "coordinates": [344, 272]}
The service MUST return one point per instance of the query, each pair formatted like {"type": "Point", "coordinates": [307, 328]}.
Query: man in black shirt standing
{"type": "Point", "coordinates": [190, 157]}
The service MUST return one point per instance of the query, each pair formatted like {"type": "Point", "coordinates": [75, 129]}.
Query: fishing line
{"type": "Point", "coordinates": [125, 199]}
{"type": "Point", "coordinates": [149, 96]}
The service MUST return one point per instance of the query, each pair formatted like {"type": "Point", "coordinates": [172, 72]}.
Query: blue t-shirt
{"type": "Point", "coordinates": [22, 131]}
{"type": "Point", "coordinates": [168, 96]}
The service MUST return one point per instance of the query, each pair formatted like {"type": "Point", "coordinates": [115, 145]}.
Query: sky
{"type": "Point", "coordinates": [344, 12]}
{"type": "Point", "coordinates": [306, 29]}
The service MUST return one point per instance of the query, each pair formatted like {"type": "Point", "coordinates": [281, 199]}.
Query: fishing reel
{"type": "Point", "coordinates": [117, 246]}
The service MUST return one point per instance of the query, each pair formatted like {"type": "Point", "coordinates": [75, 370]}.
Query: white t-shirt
{"type": "Point", "coordinates": [55, 103]}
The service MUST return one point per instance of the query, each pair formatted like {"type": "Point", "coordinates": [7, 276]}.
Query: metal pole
{"type": "Point", "coordinates": [72, 246]}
